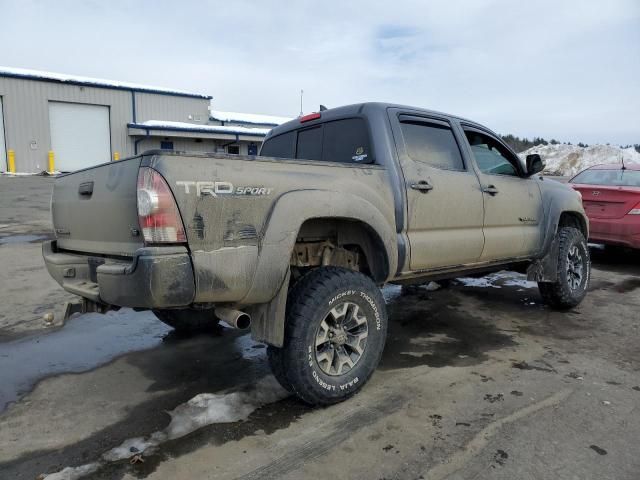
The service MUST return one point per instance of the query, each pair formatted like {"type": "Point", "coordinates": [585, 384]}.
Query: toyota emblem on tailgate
{"type": "Point", "coordinates": [595, 193]}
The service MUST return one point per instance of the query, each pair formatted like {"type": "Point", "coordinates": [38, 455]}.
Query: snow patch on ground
{"type": "Point", "coordinates": [391, 291]}
{"type": "Point", "coordinates": [568, 160]}
{"type": "Point", "coordinates": [477, 282]}
{"type": "Point", "coordinates": [73, 473]}
{"type": "Point", "coordinates": [202, 410]}
{"type": "Point", "coordinates": [504, 278]}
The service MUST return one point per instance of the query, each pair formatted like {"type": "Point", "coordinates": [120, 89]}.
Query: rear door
{"type": "Point", "coordinates": [512, 203]}
{"type": "Point", "coordinates": [444, 202]}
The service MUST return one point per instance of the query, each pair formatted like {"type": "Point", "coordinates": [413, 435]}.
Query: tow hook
{"type": "Point", "coordinates": [84, 306]}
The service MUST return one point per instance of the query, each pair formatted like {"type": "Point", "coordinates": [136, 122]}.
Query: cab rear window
{"type": "Point", "coordinates": [344, 141]}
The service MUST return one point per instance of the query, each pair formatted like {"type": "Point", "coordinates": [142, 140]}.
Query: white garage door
{"type": "Point", "coordinates": [3, 147]}
{"type": "Point", "coordinates": [80, 135]}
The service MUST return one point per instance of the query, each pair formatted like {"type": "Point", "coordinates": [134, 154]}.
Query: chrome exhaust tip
{"type": "Point", "coordinates": [234, 318]}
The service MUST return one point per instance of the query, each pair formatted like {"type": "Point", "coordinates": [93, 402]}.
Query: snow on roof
{"type": "Point", "coordinates": [92, 82]}
{"type": "Point", "coordinates": [562, 159]}
{"type": "Point", "coordinates": [247, 118]}
{"type": "Point", "coordinates": [192, 127]}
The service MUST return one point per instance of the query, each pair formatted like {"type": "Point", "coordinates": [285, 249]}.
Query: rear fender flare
{"type": "Point", "coordinates": [283, 224]}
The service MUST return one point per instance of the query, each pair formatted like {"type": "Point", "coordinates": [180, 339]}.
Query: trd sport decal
{"type": "Point", "coordinates": [214, 189]}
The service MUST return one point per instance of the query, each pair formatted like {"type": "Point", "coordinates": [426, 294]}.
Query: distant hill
{"type": "Point", "coordinates": [567, 160]}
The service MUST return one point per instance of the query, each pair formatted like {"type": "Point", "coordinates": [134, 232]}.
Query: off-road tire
{"type": "Point", "coordinates": [309, 304]}
{"type": "Point", "coordinates": [275, 356]}
{"type": "Point", "coordinates": [188, 321]}
{"type": "Point", "coordinates": [560, 294]}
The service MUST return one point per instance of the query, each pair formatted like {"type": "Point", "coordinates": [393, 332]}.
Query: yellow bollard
{"type": "Point", "coordinates": [11, 161]}
{"type": "Point", "coordinates": [51, 162]}
{"type": "Point", "coordinates": [116, 156]}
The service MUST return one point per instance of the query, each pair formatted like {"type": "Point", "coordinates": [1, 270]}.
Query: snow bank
{"type": "Point", "coordinates": [568, 160]}
{"type": "Point", "coordinates": [97, 82]}
{"type": "Point", "coordinates": [236, 117]}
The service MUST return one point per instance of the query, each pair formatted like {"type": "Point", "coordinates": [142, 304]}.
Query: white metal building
{"type": "Point", "coordinates": [86, 121]}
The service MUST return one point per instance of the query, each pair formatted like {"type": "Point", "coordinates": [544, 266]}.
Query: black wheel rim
{"type": "Point", "coordinates": [575, 267]}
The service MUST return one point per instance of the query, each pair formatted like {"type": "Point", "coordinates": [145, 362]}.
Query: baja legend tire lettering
{"type": "Point", "coordinates": [322, 383]}
{"type": "Point", "coordinates": [349, 384]}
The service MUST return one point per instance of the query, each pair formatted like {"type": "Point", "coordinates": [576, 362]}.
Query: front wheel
{"type": "Point", "coordinates": [335, 333]}
{"type": "Point", "coordinates": [574, 271]}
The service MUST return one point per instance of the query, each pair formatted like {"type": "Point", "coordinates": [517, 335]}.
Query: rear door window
{"type": "Point", "coordinates": [431, 143]}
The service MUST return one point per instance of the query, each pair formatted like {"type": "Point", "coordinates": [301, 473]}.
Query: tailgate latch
{"type": "Point", "coordinates": [86, 188]}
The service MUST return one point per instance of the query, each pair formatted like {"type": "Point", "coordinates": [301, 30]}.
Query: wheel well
{"type": "Point", "coordinates": [354, 242]}
{"type": "Point", "coordinates": [573, 219]}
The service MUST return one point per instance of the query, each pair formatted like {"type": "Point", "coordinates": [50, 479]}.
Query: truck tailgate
{"type": "Point", "coordinates": [95, 210]}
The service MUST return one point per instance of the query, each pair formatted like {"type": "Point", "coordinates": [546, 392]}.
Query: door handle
{"type": "Point", "coordinates": [422, 186]}
{"type": "Point", "coordinates": [490, 189]}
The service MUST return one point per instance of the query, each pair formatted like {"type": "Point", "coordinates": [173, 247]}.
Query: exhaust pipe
{"type": "Point", "coordinates": [234, 318]}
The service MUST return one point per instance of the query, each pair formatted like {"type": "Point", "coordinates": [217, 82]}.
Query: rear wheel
{"type": "Point", "coordinates": [574, 271]}
{"type": "Point", "coordinates": [334, 335]}
{"type": "Point", "coordinates": [188, 320]}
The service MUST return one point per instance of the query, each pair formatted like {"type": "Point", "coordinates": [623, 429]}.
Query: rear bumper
{"type": "Point", "coordinates": [156, 277]}
{"type": "Point", "coordinates": [619, 231]}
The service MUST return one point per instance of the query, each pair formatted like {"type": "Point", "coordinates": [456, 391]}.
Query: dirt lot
{"type": "Point", "coordinates": [478, 380]}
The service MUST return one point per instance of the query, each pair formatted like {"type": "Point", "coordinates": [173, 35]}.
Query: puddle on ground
{"type": "Point", "coordinates": [426, 329]}
{"type": "Point", "coordinates": [85, 342]}
{"type": "Point", "coordinates": [628, 285]}
{"type": "Point", "coordinates": [15, 239]}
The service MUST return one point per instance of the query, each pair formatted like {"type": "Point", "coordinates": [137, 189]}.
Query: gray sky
{"type": "Point", "coordinates": [563, 69]}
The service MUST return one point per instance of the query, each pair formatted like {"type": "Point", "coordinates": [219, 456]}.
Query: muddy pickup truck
{"type": "Point", "coordinates": [296, 242]}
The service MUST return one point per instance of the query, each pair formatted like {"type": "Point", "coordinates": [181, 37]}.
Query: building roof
{"type": "Point", "coordinates": [192, 127]}
{"type": "Point", "coordinates": [250, 118]}
{"type": "Point", "coordinates": [93, 82]}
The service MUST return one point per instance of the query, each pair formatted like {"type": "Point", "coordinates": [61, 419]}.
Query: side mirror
{"type": "Point", "coordinates": [534, 164]}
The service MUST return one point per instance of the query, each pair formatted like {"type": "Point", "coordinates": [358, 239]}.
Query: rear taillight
{"type": "Point", "coordinates": [157, 210]}
{"type": "Point", "coordinates": [635, 210]}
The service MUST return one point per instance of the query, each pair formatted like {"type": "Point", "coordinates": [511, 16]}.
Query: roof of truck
{"type": "Point", "coordinates": [358, 109]}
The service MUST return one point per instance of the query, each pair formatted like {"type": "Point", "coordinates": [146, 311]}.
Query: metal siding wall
{"type": "Point", "coordinates": [182, 144]}
{"type": "Point", "coordinates": [26, 116]}
{"type": "Point", "coordinates": [150, 106]}
{"type": "Point", "coordinates": [3, 149]}
{"type": "Point", "coordinates": [190, 145]}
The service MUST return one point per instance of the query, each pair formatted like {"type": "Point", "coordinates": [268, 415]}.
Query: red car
{"type": "Point", "coordinates": [611, 198]}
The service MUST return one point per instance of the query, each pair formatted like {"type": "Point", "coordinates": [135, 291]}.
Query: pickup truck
{"type": "Point", "coordinates": [296, 242]}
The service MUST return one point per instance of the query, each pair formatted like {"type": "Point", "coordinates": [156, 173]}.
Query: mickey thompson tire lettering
{"type": "Point", "coordinates": [310, 302]}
